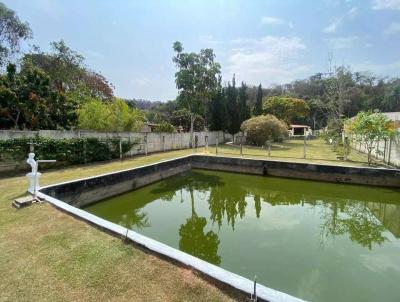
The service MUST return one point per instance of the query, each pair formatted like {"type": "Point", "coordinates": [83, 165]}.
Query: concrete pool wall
{"type": "Point", "coordinates": [82, 192]}
{"type": "Point", "coordinates": [71, 196]}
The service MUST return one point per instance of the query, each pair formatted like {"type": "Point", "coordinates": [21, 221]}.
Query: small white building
{"type": "Point", "coordinates": [299, 130]}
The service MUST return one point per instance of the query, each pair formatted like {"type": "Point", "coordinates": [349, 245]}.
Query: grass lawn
{"type": "Point", "coordinates": [317, 151]}
{"type": "Point", "coordinates": [46, 255]}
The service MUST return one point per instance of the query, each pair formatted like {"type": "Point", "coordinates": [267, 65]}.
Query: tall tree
{"type": "Point", "coordinates": [196, 80]}
{"type": "Point", "coordinates": [258, 105]}
{"type": "Point", "coordinates": [232, 108]}
{"type": "Point", "coordinates": [217, 109]}
{"type": "Point", "coordinates": [244, 110]}
{"type": "Point", "coordinates": [12, 31]}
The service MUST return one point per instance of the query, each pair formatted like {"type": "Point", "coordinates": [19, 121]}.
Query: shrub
{"type": "Point", "coordinates": [165, 127]}
{"type": "Point", "coordinates": [65, 151]}
{"type": "Point", "coordinates": [261, 128]}
{"type": "Point", "coordinates": [109, 116]}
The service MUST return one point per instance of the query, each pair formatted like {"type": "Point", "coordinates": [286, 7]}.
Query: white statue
{"type": "Point", "coordinates": [34, 175]}
{"type": "Point", "coordinates": [31, 161]}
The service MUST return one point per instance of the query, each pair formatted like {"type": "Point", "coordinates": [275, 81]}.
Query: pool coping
{"type": "Point", "coordinates": [214, 272]}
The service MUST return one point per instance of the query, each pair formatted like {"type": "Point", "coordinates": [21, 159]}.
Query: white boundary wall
{"type": "Point", "coordinates": [147, 142]}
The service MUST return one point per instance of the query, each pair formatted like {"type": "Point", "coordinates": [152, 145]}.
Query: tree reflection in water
{"type": "Point", "coordinates": [228, 203]}
{"type": "Point", "coordinates": [355, 219]}
{"type": "Point", "coordinates": [135, 219]}
{"type": "Point", "coordinates": [193, 239]}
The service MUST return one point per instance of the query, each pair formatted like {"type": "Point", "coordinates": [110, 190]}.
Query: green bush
{"type": "Point", "coordinates": [65, 151]}
{"type": "Point", "coordinates": [261, 128]}
{"type": "Point", "coordinates": [165, 127]}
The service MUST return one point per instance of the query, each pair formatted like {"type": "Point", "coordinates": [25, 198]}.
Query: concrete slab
{"type": "Point", "coordinates": [23, 202]}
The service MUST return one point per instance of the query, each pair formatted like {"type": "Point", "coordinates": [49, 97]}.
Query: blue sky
{"type": "Point", "coordinates": [261, 41]}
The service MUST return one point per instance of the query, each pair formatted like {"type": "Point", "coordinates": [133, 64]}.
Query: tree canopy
{"type": "Point", "coordinates": [369, 128]}
{"type": "Point", "coordinates": [286, 108]}
{"type": "Point", "coordinates": [12, 31]}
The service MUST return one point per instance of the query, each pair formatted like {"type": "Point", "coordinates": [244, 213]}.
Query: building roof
{"type": "Point", "coordinates": [299, 126]}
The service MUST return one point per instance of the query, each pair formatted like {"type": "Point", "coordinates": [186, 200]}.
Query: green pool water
{"type": "Point", "coordinates": [314, 240]}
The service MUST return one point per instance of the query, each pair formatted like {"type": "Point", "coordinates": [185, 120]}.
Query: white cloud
{"type": "Point", "coordinates": [343, 42]}
{"type": "Point", "coordinates": [350, 14]}
{"type": "Point", "coordinates": [331, 28]}
{"type": "Point", "coordinates": [386, 4]}
{"type": "Point", "coordinates": [393, 29]}
{"type": "Point", "coordinates": [267, 60]}
{"type": "Point", "coordinates": [272, 21]}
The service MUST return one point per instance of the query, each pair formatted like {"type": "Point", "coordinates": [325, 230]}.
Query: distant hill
{"type": "Point", "coordinates": [142, 104]}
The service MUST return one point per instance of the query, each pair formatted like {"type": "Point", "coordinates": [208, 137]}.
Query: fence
{"type": "Point", "coordinates": [387, 151]}
{"type": "Point", "coordinates": [146, 142]}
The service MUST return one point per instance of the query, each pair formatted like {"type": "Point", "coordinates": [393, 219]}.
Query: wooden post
{"type": "Point", "coordinates": [305, 147]}
{"type": "Point", "coordinates": [163, 142]}
{"type": "Point", "coordinates": [206, 142]}
{"type": "Point", "coordinates": [390, 150]}
{"type": "Point", "coordinates": [216, 145]}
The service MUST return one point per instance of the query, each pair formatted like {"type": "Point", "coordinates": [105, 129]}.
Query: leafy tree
{"type": "Point", "coordinates": [27, 101]}
{"type": "Point", "coordinates": [196, 80]}
{"type": "Point", "coordinates": [261, 128]}
{"type": "Point", "coordinates": [183, 118]}
{"type": "Point", "coordinates": [286, 108]}
{"type": "Point", "coordinates": [165, 127]}
{"type": "Point", "coordinates": [369, 128]}
{"type": "Point", "coordinates": [114, 116]}
{"type": "Point", "coordinates": [258, 110]}
{"type": "Point", "coordinates": [67, 71]}
{"type": "Point", "coordinates": [12, 31]}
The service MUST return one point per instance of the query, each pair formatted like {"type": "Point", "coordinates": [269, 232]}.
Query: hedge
{"type": "Point", "coordinates": [65, 151]}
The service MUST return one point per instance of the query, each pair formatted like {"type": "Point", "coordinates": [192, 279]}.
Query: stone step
{"type": "Point", "coordinates": [23, 202]}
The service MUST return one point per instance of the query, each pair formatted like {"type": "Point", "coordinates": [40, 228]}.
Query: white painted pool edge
{"type": "Point", "coordinates": [206, 268]}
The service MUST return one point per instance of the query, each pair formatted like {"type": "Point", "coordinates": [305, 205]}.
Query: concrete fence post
{"type": "Point", "coordinates": [241, 144]}
{"type": "Point", "coordinates": [120, 148]}
{"type": "Point", "coordinates": [389, 151]}
{"type": "Point", "coordinates": [163, 142]}
{"type": "Point", "coordinates": [305, 147]}
{"type": "Point", "coordinates": [269, 147]}
{"type": "Point", "coordinates": [84, 152]}
{"type": "Point", "coordinates": [145, 144]}
{"type": "Point", "coordinates": [206, 142]}
{"type": "Point", "coordinates": [384, 150]}
{"type": "Point", "coordinates": [216, 144]}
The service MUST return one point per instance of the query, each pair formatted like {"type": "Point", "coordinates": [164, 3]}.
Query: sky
{"type": "Point", "coordinates": [260, 41]}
